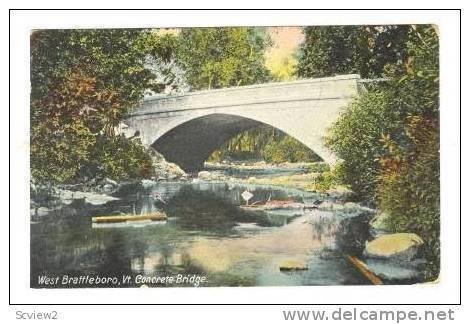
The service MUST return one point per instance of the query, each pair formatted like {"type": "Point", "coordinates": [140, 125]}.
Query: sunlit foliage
{"type": "Point", "coordinates": [223, 57]}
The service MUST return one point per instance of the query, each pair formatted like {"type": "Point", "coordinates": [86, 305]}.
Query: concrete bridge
{"type": "Point", "coordinates": [187, 128]}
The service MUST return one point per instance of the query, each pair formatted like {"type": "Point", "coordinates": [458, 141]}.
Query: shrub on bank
{"type": "Point", "coordinates": [409, 189]}
{"type": "Point", "coordinates": [388, 140]}
{"type": "Point", "coordinates": [288, 150]}
{"type": "Point", "coordinates": [355, 138]}
{"type": "Point", "coordinates": [118, 158]}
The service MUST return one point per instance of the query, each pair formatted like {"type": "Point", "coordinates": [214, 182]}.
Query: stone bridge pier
{"type": "Point", "coordinates": [187, 128]}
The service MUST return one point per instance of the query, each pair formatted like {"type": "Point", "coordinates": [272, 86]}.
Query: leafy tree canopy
{"type": "Point", "coordinates": [365, 50]}
{"type": "Point", "coordinates": [223, 57]}
{"type": "Point", "coordinates": [82, 84]}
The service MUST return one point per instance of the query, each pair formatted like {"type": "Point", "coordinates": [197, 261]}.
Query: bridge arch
{"type": "Point", "coordinates": [192, 142]}
{"type": "Point", "coordinates": [187, 128]}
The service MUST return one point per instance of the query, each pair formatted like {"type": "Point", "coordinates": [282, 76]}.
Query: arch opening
{"type": "Point", "coordinates": [190, 144]}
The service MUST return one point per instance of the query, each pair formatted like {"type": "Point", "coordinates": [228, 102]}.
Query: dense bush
{"type": "Point", "coordinates": [327, 179]}
{"type": "Point", "coordinates": [409, 182]}
{"type": "Point", "coordinates": [388, 139]}
{"type": "Point", "coordinates": [409, 188]}
{"type": "Point", "coordinates": [80, 91]}
{"type": "Point", "coordinates": [288, 150]}
{"type": "Point", "coordinates": [118, 158]}
{"type": "Point", "coordinates": [364, 50]}
{"type": "Point", "coordinates": [355, 138]}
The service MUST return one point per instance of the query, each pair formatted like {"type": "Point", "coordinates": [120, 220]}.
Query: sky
{"type": "Point", "coordinates": [280, 58]}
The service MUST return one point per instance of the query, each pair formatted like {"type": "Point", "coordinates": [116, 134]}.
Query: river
{"type": "Point", "coordinates": [206, 234]}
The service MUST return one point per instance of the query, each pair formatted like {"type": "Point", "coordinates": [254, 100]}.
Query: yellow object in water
{"type": "Point", "coordinates": [391, 244]}
{"type": "Point", "coordinates": [289, 265]}
{"type": "Point", "coordinates": [156, 216]}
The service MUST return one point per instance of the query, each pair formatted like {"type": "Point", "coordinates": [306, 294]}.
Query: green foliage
{"type": "Point", "coordinates": [327, 179]}
{"type": "Point", "coordinates": [248, 144]}
{"type": "Point", "coordinates": [118, 158]}
{"type": "Point", "coordinates": [365, 50]}
{"type": "Point", "coordinates": [388, 140]}
{"type": "Point", "coordinates": [288, 150]}
{"type": "Point", "coordinates": [319, 167]}
{"type": "Point", "coordinates": [415, 81]}
{"type": "Point", "coordinates": [114, 57]}
{"type": "Point", "coordinates": [82, 84]}
{"type": "Point", "coordinates": [264, 142]}
{"type": "Point", "coordinates": [355, 138]}
{"type": "Point", "coordinates": [409, 188]}
{"type": "Point", "coordinates": [58, 155]}
{"type": "Point", "coordinates": [223, 57]}
{"type": "Point", "coordinates": [409, 181]}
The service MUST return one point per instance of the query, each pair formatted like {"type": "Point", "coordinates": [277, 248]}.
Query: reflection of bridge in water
{"type": "Point", "coordinates": [187, 128]}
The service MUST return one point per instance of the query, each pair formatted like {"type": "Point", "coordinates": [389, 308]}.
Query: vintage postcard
{"type": "Point", "coordinates": [234, 156]}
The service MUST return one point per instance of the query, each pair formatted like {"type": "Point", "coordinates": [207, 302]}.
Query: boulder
{"type": "Point", "coordinates": [352, 205]}
{"type": "Point", "coordinates": [40, 211]}
{"type": "Point", "coordinates": [147, 183]}
{"type": "Point", "coordinates": [108, 187]}
{"type": "Point", "coordinates": [401, 246]}
{"type": "Point", "coordinates": [326, 205]}
{"type": "Point", "coordinates": [291, 265]}
{"type": "Point", "coordinates": [397, 272]}
{"type": "Point", "coordinates": [110, 182]}
{"type": "Point", "coordinates": [165, 170]}
{"type": "Point", "coordinates": [204, 175]}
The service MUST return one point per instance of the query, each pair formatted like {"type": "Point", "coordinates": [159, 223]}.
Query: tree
{"type": "Point", "coordinates": [356, 139]}
{"type": "Point", "coordinates": [83, 82]}
{"type": "Point", "coordinates": [409, 189]}
{"type": "Point", "coordinates": [388, 140]}
{"type": "Point", "coordinates": [365, 50]}
{"type": "Point", "coordinates": [223, 57]}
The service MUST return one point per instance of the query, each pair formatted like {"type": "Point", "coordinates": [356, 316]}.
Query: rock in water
{"type": "Point", "coordinates": [108, 187]}
{"type": "Point", "coordinates": [107, 181]}
{"type": "Point", "coordinates": [204, 175]}
{"type": "Point", "coordinates": [291, 265]}
{"type": "Point", "coordinates": [147, 183]}
{"type": "Point", "coordinates": [401, 246]}
{"type": "Point", "coordinates": [164, 169]}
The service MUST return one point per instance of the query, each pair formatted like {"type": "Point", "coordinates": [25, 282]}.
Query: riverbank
{"type": "Point", "coordinates": [303, 176]}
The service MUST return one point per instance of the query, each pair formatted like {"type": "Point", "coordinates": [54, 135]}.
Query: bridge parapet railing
{"type": "Point", "coordinates": [339, 87]}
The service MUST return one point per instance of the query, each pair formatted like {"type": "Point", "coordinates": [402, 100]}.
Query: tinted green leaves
{"type": "Point", "coordinates": [388, 138]}
{"type": "Point", "coordinates": [364, 50]}
{"type": "Point", "coordinates": [83, 82]}
{"type": "Point", "coordinates": [223, 57]}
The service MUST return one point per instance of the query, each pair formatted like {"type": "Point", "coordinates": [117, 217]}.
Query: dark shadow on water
{"type": "Point", "coordinates": [199, 210]}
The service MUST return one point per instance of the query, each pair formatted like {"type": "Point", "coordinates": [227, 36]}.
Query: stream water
{"type": "Point", "coordinates": [206, 234]}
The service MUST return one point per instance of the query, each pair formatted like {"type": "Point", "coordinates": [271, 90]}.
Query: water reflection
{"type": "Point", "coordinates": [206, 233]}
